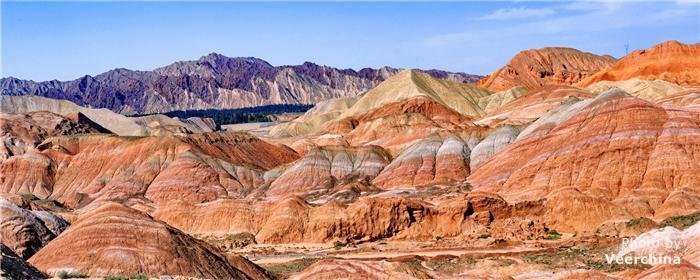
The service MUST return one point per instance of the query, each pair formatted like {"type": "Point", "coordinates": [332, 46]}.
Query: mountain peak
{"type": "Point", "coordinates": [535, 68]}
{"type": "Point", "coordinates": [671, 61]}
{"type": "Point", "coordinates": [211, 81]}
{"type": "Point", "coordinates": [412, 83]}
{"type": "Point", "coordinates": [220, 59]}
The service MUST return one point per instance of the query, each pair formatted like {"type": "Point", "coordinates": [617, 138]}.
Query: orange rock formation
{"type": "Point", "coordinates": [548, 66]}
{"type": "Point", "coordinates": [670, 61]}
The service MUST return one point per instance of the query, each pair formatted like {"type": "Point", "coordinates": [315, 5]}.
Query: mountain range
{"type": "Point", "coordinates": [541, 170]}
{"type": "Point", "coordinates": [212, 82]}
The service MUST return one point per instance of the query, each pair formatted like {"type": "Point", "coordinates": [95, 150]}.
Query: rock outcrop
{"type": "Point", "coordinates": [398, 125]}
{"type": "Point", "coordinates": [495, 101]}
{"type": "Point", "coordinates": [671, 61]}
{"type": "Point", "coordinates": [213, 81]}
{"type": "Point", "coordinates": [76, 170]}
{"type": "Point", "coordinates": [530, 106]}
{"type": "Point", "coordinates": [433, 160]}
{"type": "Point", "coordinates": [25, 231]}
{"type": "Point", "coordinates": [20, 133]}
{"type": "Point", "coordinates": [650, 90]}
{"type": "Point", "coordinates": [324, 168]}
{"type": "Point", "coordinates": [685, 98]}
{"type": "Point", "coordinates": [492, 144]}
{"type": "Point", "coordinates": [667, 241]}
{"type": "Point", "coordinates": [547, 66]}
{"type": "Point", "coordinates": [613, 154]}
{"type": "Point", "coordinates": [401, 111]}
{"type": "Point", "coordinates": [14, 267]}
{"type": "Point", "coordinates": [113, 239]}
{"type": "Point", "coordinates": [292, 220]}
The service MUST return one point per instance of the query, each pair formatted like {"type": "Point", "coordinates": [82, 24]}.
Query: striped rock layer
{"type": "Point", "coordinates": [20, 133]}
{"type": "Point", "coordinates": [547, 66]}
{"type": "Point", "coordinates": [531, 105]}
{"type": "Point", "coordinates": [113, 239]}
{"type": "Point", "coordinates": [324, 168]}
{"type": "Point", "coordinates": [26, 231]}
{"type": "Point", "coordinates": [671, 61]}
{"type": "Point", "coordinates": [615, 156]}
{"type": "Point", "coordinates": [292, 220]}
{"type": "Point", "coordinates": [433, 160]}
{"type": "Point", "coordinates": [77, 170]}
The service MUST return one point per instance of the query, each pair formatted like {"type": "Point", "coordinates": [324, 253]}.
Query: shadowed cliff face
{"type": "Point", "coordinates": [213, 81]}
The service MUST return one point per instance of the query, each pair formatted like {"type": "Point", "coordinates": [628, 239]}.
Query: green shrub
{"type": "Point", "coordinates": [284, 270]}
{"type": "Point", "coordinates": [485, 235]}
{"type": "Point", "coordinates": [438, 238]}
{"type": "Point", "coordinates": [681, 222]}
{"type": "Point", "coordinates": [139, 277]}
{"type": "Point", "coordinates": [70, 274]}
{"type": "Point", "coordinates": [338, 245]}
{"type": "Point", "coordinates": [552, 235]}
{"type": "Point", "coordinates": [112, 277]}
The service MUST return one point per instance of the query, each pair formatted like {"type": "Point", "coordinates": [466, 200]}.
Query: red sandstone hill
{"type": "Point", "coordinates": [547, 66]}
{"type": "Point", "coordinates": [414, 159]}
{"type": "Point", "coordinates": [670, 61]}
{"type": "Point", "coordinates": [615, 156]}
{"type": "Point", "coordinates": [77, 170]}
{"type": "Point", "coordinates": [116, 240]}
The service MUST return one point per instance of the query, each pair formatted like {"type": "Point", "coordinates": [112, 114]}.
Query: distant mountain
{"type": "Point", "coordinates": [213, 81]}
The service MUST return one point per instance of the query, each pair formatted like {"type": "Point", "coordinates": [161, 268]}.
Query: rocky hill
{"type": "Point", "coordinates": [104, 119]}
{"type": "Point", "coordinates": [671, 61]}
{"type": "Point", "coordinates": [213, 81]}
{"type": "Point", "coordinates": [416, 178]}
{"type": "Point", "coordinates": [547, 66]}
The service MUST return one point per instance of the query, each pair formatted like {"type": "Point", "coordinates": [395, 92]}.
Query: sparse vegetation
{"type": "Point", "coordinates": [575, 257]}
{"type": "Point", "coordinates": [485, 235]}
{"type": "Point", "coordinates": [283, 270]}
{"type": "Point", "coordinates": [681, 222]}
{"type": "Point", "coordinates": [503, 261]}
{"type": "Point", "coordinates": [634, 222]}
{"type": "Point", "coordinates": [112, 277]}
{"type": "Point", "coordinates": [450, 266]}
{"type": "Point", "coordinates": [438, 238]}
{"type": "Point", "coordinates": [338, 245]}
{"type": "Point", "coordinates": [70, 274]}
{"type": "Point", "coordinates": [139, 277]}
{"type": "Point", "coordinates": [241, 239]}
{"type": "Point", "coordinates": [552, 235]}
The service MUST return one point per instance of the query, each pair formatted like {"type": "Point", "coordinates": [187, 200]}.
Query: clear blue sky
{"type": "Point", "coordinates": [65, 40]}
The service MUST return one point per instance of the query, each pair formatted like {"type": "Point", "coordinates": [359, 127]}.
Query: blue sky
{"type": "Point", "coordinates": [66, 40]}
